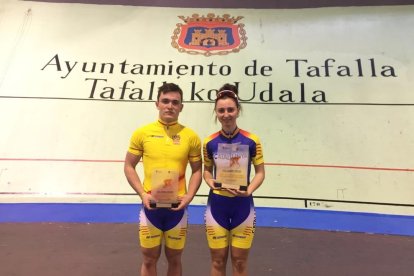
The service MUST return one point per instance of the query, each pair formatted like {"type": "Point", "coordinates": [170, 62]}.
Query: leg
{"type": "Point", "coordinates": [150, 240]}
{"type": "Point", "coordinates": [242, 236]}
{"type": "Point", "coordinates": [150, 258]}
{"type": "Point", "coordinates": [174, 261]}
{"type": "Point", "coordinates": [174, 242]}
{"type": "Point", "coordinates": [219, 261]}
{"type": "Point", "coordinates": [217, 233]}
{"type": "Point", "coordinates": [239, 261]}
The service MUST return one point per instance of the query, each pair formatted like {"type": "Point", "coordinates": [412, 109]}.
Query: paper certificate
{"type": "Point", "coordinates": [164, 188]}
{"type": "Point", "coordinates": [232, 166]}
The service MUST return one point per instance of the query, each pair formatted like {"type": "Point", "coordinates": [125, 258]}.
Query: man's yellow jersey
{"type": "Point", "coordinates": [165, 146]}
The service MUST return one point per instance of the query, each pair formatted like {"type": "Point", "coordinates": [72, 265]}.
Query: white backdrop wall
{"type": "Point", "coordinates": [329, 91]}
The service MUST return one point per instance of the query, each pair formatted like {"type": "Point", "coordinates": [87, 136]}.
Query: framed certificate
{"type": "Point", "coordinates": [164, 188]}
{"type": "Point", "coordinates": [232, 166]}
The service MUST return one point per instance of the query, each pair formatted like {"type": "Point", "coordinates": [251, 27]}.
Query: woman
{"type": "Point", "coordinates": [230, 216]}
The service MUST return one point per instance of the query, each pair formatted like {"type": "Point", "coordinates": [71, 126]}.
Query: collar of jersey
{"type": "Point", "coordinates": [230, 135]}
{"type": "Point", "coordinates": [167, 124]}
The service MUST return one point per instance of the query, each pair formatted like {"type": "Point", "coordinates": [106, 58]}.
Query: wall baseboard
{"type": "Point", "coordinates": [266, 217]}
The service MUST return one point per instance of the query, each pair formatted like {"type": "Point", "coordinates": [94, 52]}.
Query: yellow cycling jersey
{"type": "Point", "coordinates": [165, 146]}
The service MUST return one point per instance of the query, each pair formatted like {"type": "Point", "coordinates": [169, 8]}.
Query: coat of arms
{"type": "Point", "coordinates": [209, 35]}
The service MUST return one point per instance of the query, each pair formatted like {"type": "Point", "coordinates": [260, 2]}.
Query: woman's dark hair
{"type": "Point", "coordinates": [228, 91]}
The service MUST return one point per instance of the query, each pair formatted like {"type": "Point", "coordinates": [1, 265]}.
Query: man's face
{"type": "Point", "coordinates": [169, 106]}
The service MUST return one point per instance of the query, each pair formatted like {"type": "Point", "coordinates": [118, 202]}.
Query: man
{"type": "Point", "coordinates": [164, 144]}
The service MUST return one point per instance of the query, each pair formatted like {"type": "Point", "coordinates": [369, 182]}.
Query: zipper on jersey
{"type": "Point", "coordinates": [167, 137]}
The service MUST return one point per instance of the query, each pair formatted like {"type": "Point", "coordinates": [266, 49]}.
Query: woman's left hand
{"type": "Point", "coordinates": [238, 192]}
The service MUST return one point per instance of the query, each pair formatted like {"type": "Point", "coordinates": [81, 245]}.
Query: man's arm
{"type": "Point", "coordinates": [193, 185]}
{"type": "Point", "coordinates": [130, 163]}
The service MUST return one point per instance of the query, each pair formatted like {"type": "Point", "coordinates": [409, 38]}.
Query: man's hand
{"type": "Point", "coordinates": [146, 200]}
{"type": "Point", "coordinates": [183, 202]}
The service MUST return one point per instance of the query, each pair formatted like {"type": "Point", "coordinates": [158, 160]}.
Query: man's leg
{"type": "Point", "coordinates": [175, 239]}
{"type": "Point", "coordinates": [150, 258]}
{"type": "Point", "coordinates": [150, 238]}
{"type": "Point", "coordinates": [174, 261]}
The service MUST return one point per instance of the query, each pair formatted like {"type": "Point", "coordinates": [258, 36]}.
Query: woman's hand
{"type": "Point", "coordinates": [238, 192]}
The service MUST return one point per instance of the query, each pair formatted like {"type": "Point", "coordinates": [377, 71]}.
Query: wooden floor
{"type": "Point", "coordinates": [112, 249]}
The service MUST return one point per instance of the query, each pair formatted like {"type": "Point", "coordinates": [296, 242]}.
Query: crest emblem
{"type": "Point", "coordinates": [176, 139]}
{"type": "Point", "coordinates": [209, 35]}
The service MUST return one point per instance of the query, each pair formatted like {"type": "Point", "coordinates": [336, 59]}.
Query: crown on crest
{"type": "Point", "coordinates": [211, 17]}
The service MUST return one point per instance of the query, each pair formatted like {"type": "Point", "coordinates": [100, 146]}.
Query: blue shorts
{"type": "Point", "coordinates": [162, 223]}
{"type": "Point", "coordinates": [230, 220]}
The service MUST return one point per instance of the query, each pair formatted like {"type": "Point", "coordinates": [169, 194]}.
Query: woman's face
{"type": "Point", "coordinates": [227, 112]}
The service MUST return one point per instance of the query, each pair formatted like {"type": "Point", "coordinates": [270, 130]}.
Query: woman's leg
{"type": "Point", "coordinates": [218, 261]}
{"type": "Point", "coordinates": [239, 258]}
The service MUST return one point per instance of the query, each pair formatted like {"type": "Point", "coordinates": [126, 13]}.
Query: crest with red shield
{"type": "Point", "coordinates": [209, 35]}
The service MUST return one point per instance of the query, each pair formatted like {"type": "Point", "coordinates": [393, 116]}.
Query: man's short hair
{"type": "Point", "coordinates": [169, 87]}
